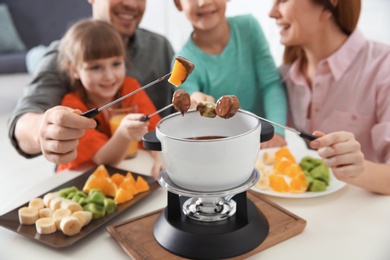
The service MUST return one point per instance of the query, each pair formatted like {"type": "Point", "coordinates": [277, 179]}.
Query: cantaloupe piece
{"type": "Point", "coordinates": [110, 188]}
{"type": "Point", "coordinates": [129, 184]}
{"type": "Point", "coordinates": [180, 71]}
{"type": "Point", "coordinates": [282, 165]}
{"type": "Point", "coordinates": [293, 170]}
{"type": "Point", "coordinates": [130, 177]}
{"type": "Point", "coordinates": [141, 185]}
{"type": "Point", "coordinates": [284, 152]}
{"type": "Point", "coordinates": [101, 172]}
{"type": "Point", "coordinates": [94, 182]}
{"type": "Point", "coordinates": [278, 183]}
{"type": "Point", "coordinates": [298, 184]}
{"type": "Point", "coordinates": [117, 178]}
{"type": "Point", "coordinates": [123, 196]}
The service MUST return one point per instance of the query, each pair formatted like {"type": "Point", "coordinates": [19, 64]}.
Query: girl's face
{"type": "Point", "coordinates": [203, 14]}
{"type": "Point", "coordinates": [299, 20]}
{"type": "Point", "coordinates": [102, 78]}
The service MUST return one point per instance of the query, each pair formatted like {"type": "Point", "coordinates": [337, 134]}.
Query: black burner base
{"type": "Point", "coordinates": [193, 239]}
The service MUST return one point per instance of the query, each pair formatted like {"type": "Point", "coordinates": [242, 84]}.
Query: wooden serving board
{"type": "Point", "coordinates": [136, 237]}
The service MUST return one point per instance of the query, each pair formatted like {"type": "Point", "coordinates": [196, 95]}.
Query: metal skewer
{"type": "Point", "coordinates": [304, 135]}
{"type": "Point", "coordinates": [147, 117]}
{"type": "Point", "coordinates": [94, 111]}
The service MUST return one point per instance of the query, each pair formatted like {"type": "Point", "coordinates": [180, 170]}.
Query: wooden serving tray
{"type": "Point", "coordinates": [136, 237]}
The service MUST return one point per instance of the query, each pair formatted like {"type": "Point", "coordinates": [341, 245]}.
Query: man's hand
{"type": "Point", "coordinates": [59, 133]}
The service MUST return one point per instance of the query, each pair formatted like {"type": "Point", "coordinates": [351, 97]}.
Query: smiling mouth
{"type": "Point", "coordinates": [126, 17]}
{"type": "Point", "coordinates": [108, 86]}
{"type": "Point", "coordinates": [206, 13]}
{"type": "Point", "coordinates": [283, 28]}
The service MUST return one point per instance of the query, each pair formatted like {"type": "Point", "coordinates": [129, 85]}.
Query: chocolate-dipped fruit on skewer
{"type": "Point", "coordinates": [206, 109]}
{"type": "Point", "coordinates": [181, 101]}
{"type": "Point", "coordinates": [181, 69]}
{"type": "Point", "coordinates": [227, 106]}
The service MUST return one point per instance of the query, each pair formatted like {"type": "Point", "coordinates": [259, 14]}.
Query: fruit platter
{"type": "Point", "coordinates": [288, 174]}
{"type": "Point", "coordinates": [73, 210]}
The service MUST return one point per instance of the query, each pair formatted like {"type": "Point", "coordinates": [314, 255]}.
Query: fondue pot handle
{"type": "Point", "coordinates": [267, 131]}
{"type": "Point", "coordinates": [151, 142]}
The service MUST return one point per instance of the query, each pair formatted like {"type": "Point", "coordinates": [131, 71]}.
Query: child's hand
{"type": "Point", "coordinates": [131, 128]}
{"type": "Point", "coordinates": [198, 97]}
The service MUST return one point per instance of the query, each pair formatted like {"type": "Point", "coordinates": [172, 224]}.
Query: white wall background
{"type": "Point", "coordinates": [161, 16]}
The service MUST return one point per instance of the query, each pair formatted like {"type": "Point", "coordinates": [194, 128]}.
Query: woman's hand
{"type": "Point", "coordinates": [198, 97]}
{"type": "Point", "coordinates": [341, 152]}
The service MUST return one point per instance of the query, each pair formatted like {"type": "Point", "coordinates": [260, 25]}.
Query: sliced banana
{"type": "Point", "coordinates": [60, 214]}
{"type": "Point", "coordinates": [48, 197]}
{"type": "Point", "coordinates": [28, 216]}
{"type": "Point", "coordinates": [84, 217]}
{"type": "Point", "coordinates": [45, 226]}
{"type": "Point", "coordinates": [55, 203]}
{"type": "Point", "coordinates": [70, 225]}
{"type": "Point", "coordinates": [269, 157]}
{"type": "Point", "coordinates": [73, 206]}
{"type": "Point", "coordinates": [46, 213]}
{"type": "Point", "coordinates": [259, 165]}
{"type": "Point", "coordinates": [36, 203]}
{"type": "Point", "coordinates": [263, 182]}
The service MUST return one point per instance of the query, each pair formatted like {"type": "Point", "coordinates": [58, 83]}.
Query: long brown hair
{"type": "Point", "coordinates": [346, 15]}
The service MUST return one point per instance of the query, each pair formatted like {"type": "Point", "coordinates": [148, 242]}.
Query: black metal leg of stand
{"type": "Point", "coordinates": [174, 207]}
{"type": "Point", "coordinates": [241, 210]}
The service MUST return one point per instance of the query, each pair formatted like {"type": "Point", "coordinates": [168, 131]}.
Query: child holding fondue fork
{"type": "Point", "coordinates": [338, 82]}
{"type": "Point", "coordinates": [92, 54]}
{"type": "Point", "coordinates": [232, 57]}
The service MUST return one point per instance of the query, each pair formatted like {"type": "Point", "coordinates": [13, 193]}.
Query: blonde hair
{"type": "Point", "coordinates": [89, 40]}
{"type": "Point", "coordinates": [346, 15]}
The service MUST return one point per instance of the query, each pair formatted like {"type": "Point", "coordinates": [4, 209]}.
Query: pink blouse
{"type": "Point", "coordinates": [350, 92]}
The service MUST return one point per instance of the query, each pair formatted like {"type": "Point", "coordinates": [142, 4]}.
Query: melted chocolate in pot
{"type": "Point", "coordinates": [208, 137]}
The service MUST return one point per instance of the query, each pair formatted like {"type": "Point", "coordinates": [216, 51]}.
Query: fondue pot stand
{"type": "Point", "coordinates": [208, 214]}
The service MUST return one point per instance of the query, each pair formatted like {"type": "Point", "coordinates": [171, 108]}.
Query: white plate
{"type": "Point", "coordinates": [334, 184]}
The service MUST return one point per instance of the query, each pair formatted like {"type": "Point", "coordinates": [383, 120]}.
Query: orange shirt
{"type": "Point", "coordinates": [94, 139]}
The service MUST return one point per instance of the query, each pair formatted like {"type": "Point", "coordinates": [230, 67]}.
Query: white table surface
{"type": "Point", "coordinates": [349, 224]}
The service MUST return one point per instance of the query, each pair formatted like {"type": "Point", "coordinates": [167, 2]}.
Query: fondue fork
{"type": "Point", "coordinates": [147, 117]}
{"type": "Point", "coordinates": [304, 135]}
{"type": "Point", "coordinates": [94, 111]}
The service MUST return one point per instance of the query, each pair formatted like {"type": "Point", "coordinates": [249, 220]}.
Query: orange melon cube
{"type": "Point", "coordinates": [129, 185]}
{"type": "Point", "coordinates": [293, 170]}
{"type": "Point", "coordinates": [282, 165]}
{"type": "Point", "coordinates": [101, 172]}
{"type": "Point", "coordinates": [130, 177]}
{"type": "Point", "coordinates": [278, 183]}
{"type": "Point", "coordinates": [141, 185]}
{"type": "Point", "coordinates": [94, 182]}
{"type": "Point", "coordinates": [299, 184]}
{"type": "Point", "coordinates": [117, 178]}
{"type": "Point", "coordinates": [123, 196]}
{"type": "Point", "coordinates": [110, 188]}
{"type": "Point", "coordinates": [284, 152]}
